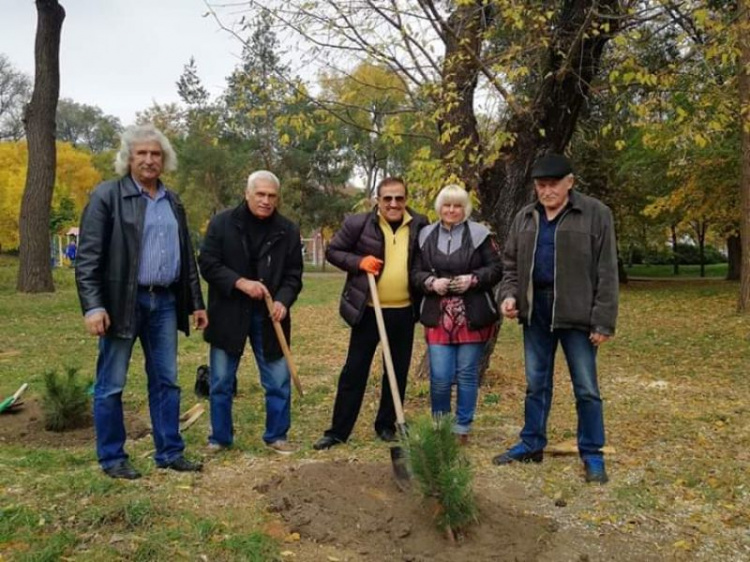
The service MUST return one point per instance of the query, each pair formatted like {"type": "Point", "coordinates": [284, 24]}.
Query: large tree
{"type": "Point", "coordinates": [535, 61]}
{"type": "Point", "coordinates": [35, 271]}
{"type": "Point", "coordinates": [87, 126]}
{"type": "Point", "coordinates": [15, 90]}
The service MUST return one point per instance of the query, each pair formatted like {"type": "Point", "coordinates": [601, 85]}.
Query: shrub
{"type": "Point", "coordinates": [443, 472]}
{"type": "Point", "coordinates": [687, 254]}
{"type": "Point", "coordinates": [66, 401]}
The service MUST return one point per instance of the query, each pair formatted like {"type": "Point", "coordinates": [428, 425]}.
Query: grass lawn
{"type": "Point", "coordinates": [677, 403]}
{"type": "Point", "coordinates": [716, 270]}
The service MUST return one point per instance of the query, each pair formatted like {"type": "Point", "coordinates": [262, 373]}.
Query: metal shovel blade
{"type": "Point", "coordinates": [400, 468]}
{"type": "Point", "coordinates": [400, 461]}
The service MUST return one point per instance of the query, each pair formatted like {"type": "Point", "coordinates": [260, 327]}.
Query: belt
{"type": "Point", "coordinates": [155, 288]}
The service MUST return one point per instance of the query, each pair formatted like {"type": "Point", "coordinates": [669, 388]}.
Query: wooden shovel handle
{"type": "Point", "coordinates": [284, 346]}
{"type": "Point", "coordinates": [390, 371]}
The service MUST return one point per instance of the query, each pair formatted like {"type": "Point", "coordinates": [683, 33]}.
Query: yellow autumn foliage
{"type": "Point", "coordinates": [75, 178]}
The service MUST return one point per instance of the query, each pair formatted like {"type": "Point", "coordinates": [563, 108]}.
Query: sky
{"type": "Point", "coordinates": [123, 55]}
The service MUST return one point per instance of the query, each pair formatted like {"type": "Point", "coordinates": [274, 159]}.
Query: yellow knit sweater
{"type": "Point", "coordinates": [393, 284]}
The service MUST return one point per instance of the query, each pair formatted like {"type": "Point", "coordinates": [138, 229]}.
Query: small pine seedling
{"type": "Point", "coordinates": [66, 403]}
{"type": "Point", "coordinates": [443, 472]}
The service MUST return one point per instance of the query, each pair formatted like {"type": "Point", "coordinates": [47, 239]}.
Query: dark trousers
{"type": "Point", "coordinates": [364, 339]}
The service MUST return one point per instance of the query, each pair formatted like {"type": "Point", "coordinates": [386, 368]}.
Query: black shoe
{"type": "Point", "coordinates": [181, 464]}
{"type": "Point", "coordinates": [326, 442]}
{"type": "Point", "coordinates": [123, 470]}
{"type": "Point", "coordinates": [517, 454]}
{"type": "Point", "coordinates": [387, 435]}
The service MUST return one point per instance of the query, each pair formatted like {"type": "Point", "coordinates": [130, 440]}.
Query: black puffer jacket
{"type": "Point", "coordinates": [225, 258]}
{"type": "Point", "coordinates": [361, 236]}
{"type": "Point", "coordinates": [478, 255]}
{"type": "Point", "coordinates": [109, 248]}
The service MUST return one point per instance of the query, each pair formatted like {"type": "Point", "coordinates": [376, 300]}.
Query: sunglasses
{"type": "Point", "coordinates": [392, 198]}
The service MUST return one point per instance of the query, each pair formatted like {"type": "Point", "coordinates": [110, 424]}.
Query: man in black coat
{"type": "Point", "coordinates": [249, 252]}
{"type": "Point", "coordinates": [137, 278]}
{"type": "Point", "coordinates": [381, 242]}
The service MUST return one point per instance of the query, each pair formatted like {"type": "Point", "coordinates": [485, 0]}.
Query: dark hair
{"type": "Point", "coordinates": [391, 180]}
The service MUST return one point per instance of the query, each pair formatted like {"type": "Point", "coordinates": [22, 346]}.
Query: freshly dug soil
{"type": "Point", "coordinates": [25, 425]}
{"type": "Point", "coordinates": [354, 511]}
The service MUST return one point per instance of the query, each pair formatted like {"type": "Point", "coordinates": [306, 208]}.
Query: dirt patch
{"type": "Point", "coordinates": [354, 511]}
{"type": "Point", "coordinates": [25, 425]}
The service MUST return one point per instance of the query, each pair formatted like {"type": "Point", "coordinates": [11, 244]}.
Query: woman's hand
{"type": "Point", "coordinates": [441, 286]}
{"type": "Point", "coordinates": [461, 284]}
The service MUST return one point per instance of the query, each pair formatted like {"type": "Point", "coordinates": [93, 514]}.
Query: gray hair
{"type": "Point", "coordinates": [262, 175]}
{"type": "Point", "coordinates": [454, 194]}
{"type": "Point", "coordinates": [143, 133]}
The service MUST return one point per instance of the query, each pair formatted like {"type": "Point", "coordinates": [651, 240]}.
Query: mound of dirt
{"type": "Point", "coordinates": [25, 426]}
{"type": "Point", "coordinates": [357, 509]}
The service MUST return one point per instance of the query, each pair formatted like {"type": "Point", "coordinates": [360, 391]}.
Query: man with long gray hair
{"type": "Point", "coordinates": [249, 252]}
{"type": "Point", "coordinates": [137, 278]}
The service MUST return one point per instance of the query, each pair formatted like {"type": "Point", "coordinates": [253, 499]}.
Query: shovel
{"type": "Point", "coordinates": [398, 458]}
{"type": "Point", "coordinates": [10, 400]}
{"type": "Point", "coordinates": [284, 347]}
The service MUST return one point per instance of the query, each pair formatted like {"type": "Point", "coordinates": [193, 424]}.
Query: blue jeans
{"type": "Point", "coordinates": [540, 345]}
{"type": "Point", "coordinates": [274, 377]}
{"type": "Point", "coordinates": [156, 327]}
{"type": "Point", "coordinates": [456, 363]}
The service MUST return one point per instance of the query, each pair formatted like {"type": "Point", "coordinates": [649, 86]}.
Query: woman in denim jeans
{"type": "Point", "coordinates": [456, 267]}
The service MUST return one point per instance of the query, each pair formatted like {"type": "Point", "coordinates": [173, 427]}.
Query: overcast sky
{"type": "Point", "coordinates": [122, 55]}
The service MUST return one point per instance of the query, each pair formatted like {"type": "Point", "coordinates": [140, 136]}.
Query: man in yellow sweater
{"type": "Point", "coordinates": [381, 242]}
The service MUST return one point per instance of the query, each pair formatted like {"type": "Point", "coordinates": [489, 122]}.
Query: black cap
{"type": "Point", "coordinates": [551, 166]}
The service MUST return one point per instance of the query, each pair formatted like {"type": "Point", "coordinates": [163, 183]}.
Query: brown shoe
{"type": "Point", "coordinates": [462, 439]}
{"type": "Point", "coordinates": [283, 447]}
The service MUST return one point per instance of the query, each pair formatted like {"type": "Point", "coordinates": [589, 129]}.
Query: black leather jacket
{"type": "Point", "coordinates": [361, 236]}
{"type": "Point", "coordinates": [109, 249]}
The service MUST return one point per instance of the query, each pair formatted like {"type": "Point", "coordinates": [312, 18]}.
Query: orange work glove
{"type": "Point", "coordinates": [371, 264]}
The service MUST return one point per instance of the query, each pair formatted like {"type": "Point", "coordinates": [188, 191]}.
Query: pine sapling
{"type": "Point", "coordinates": [66, 401]}
{"type": "Point", "coordinates": [442, 472]}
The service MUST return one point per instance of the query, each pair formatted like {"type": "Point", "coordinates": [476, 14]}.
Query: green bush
{"type": "Point", "coordinates": [66, 403]}
{"type": "Point", "coordinates": [687, 254]}
{"type": "Point", "coordinates": [443, 472]}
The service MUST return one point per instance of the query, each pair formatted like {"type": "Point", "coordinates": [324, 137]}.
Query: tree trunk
{"type": "Point", "coordinates": [743, 303]}
{"type": "Point", "coordinates": [675, 257]}
{"type": "Point", "coordinates": [35, 271]}
{"type": "Point", "coordinates": [702, 247]}
{"type": "Point", "coordinates": [734, 255]}
{"type": "Point", "coordinates": [622, 273]}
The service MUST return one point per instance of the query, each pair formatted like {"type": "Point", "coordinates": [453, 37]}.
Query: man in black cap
{"type": "Point", "coordinates": [560, 281]}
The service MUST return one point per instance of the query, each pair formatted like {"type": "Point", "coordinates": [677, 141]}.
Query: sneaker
{"type": "Point", "coordinates": [283, 447]}
{"type": "Point", "coordinates": [518, 453]}
{"type": "Point", "coordinates": [595, 471]}
{"type": "Point", "coordinates": [216, 448]}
